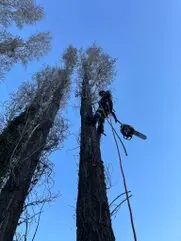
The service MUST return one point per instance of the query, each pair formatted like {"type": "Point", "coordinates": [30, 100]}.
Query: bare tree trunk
{"type": "Point", "coordinates": [93, 216]}
{"type": "Point", "coordinates": [41, 116]}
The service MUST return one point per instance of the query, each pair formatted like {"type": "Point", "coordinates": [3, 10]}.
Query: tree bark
{"type": "Point", "coordinates": [93, 215]}
{"type": "Point", "coordinates": [10, 142]}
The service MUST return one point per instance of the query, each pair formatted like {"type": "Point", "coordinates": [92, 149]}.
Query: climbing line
{"type": "Point", "coordinates": [124, 182]}
{"type": "Point", "coordinates": [113, 129]}
{"type": "Point", "coordinates": [115, 132]}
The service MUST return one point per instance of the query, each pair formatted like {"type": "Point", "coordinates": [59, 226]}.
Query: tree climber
{"type": "Point", "coordinates": [105, 108]}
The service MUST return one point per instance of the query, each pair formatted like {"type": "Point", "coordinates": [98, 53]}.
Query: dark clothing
{"type": "Point", "coordinates": [105, 108]}
{"type": "Point", "coordinates": [106, 105]}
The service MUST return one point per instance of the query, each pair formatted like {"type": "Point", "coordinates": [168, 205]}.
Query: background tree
{"type": "Point", "coordinates": [40, 191]}
{"type": "Point", "coordinates": [13, 49]}
{"type": "Point", "coordinates": [20, 12]}
{"type": "Point", "coordinates": [27, 135]}
{"type": "Point", "coordinates": [96, 70]}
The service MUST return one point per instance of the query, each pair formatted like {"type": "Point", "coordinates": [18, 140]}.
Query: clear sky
{"type": "Point", "coordinates": [145, 36]}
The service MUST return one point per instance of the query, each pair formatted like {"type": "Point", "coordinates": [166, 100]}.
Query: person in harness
{"type": "Point", "coordinates": [105, 108]}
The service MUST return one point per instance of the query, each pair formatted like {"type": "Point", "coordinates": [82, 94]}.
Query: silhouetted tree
{"type": "Point", "coordinates": [27, 136]}
{"type": "Point", "coordinates": [96, 71]}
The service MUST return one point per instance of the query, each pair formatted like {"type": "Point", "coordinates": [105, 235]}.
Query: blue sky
{"type": "Point", "coordinates": [145, 36]}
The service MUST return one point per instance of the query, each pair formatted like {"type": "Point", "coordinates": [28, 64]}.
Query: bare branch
{"type": "Point", "coordinates": [108, 174]}
{"type": "Point", "coordinates": [38, 223]}
{"type": "Point", "coordinates": [13, 49]}
{"type": "Point", "coordinates": [100, 70]}
{"type": "Point", "coordinates": [116, 209]}
{"type": "Point", "coordinates": [117, 198]}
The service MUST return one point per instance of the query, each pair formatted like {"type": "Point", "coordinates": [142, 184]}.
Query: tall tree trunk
{"type": "Point", "coordinates": [93, 216]}
{"type": "Point", "coordinates": [10, 142]}
{"type": "Point", "coordinates": [41, 115]}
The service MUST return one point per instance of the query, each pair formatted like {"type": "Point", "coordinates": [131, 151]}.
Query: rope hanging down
{"type": "Point", "coordinates": [124, 148]}
{"type": "Point", "coordinates": [124, 182]}
{"type": "Point", "coordinates": [115, 132]}
{"type": "Point", "coordinates": [127, 132]}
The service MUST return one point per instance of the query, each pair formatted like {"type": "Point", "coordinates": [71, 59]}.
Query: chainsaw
{"type": "Point", "coordinates": [128, 132]}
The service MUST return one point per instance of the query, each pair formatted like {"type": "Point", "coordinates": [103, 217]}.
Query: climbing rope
{"type": "Point", "coordinates": [115, 132]}
{"type": "Point", "coordinates": [124, 148]}
{"type": "Point", "coordinates": [124, 182]}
